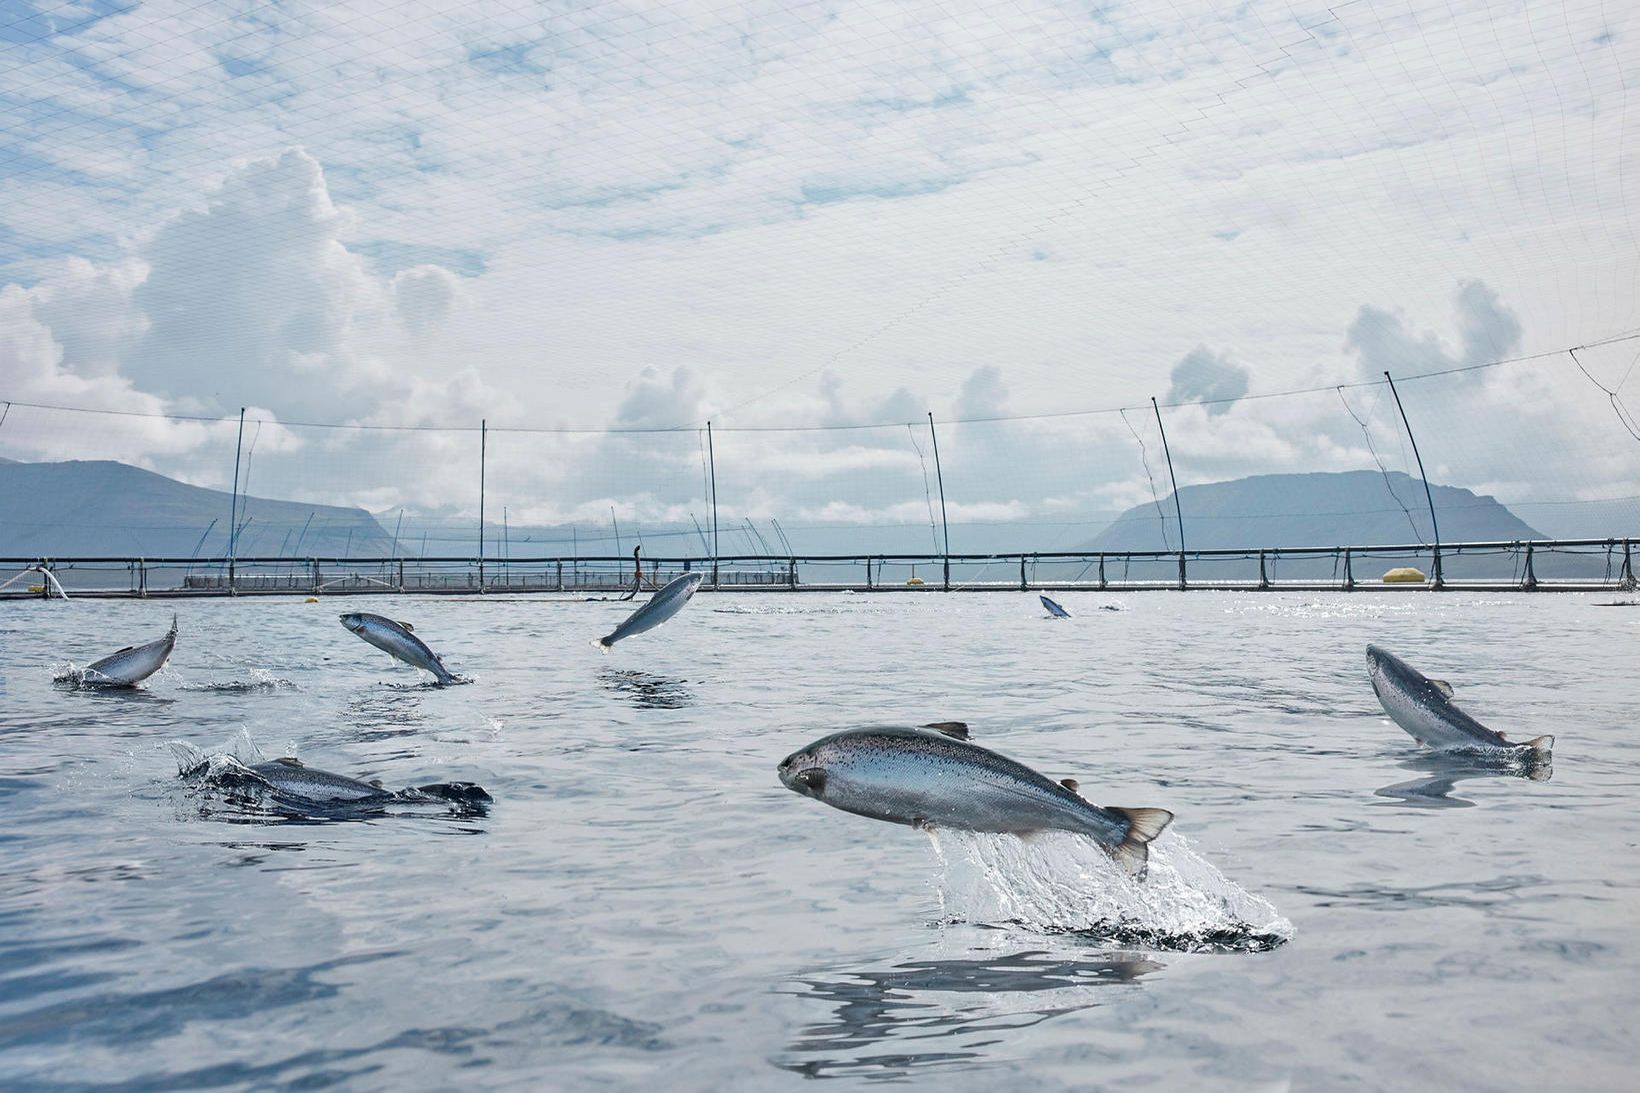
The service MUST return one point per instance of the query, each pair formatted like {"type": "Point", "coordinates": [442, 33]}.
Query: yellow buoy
{"type": "Point", "coordinates": [1405, 575]}
{"type": "Point", "coordinates": [914, 580]}
{"type": "Point", "coordinates": [313, 599]}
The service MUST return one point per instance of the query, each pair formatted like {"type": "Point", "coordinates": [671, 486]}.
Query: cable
{"type": "Point", "coordinates": [634, 430]}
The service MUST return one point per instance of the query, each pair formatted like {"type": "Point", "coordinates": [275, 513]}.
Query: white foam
{"type": "Point", "coordinates": [1061, 882]}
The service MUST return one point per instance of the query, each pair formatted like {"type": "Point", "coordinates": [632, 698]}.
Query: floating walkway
{"type": "Point", "coordinates": [1580, 565]}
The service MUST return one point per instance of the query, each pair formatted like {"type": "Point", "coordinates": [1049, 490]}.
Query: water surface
{"type": "Point", "coordinates": [644, 903]}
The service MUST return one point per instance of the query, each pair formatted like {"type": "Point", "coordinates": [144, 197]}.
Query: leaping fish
{"type": "Point", "coordinates": [1053, 608]}
{"type": "Point", "coordinates": [293, 783]}
{"type": "Point", "coordinates": [661, 606]}
{"type": "Point", "coordinates": [133, 664]}
{"type": "Point", "coordinates": [931, 777]}
{"type": "Point", "coordinates": [396, 639]}
{"type": "Point", "coordinates": [1424, 708]}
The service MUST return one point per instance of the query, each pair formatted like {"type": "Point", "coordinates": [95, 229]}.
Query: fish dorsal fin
{"type": "Point", "coordinates": [1443, 686]}
{"type": "Point", "coordinates": [377, 782]}
{"type": "Point", "coordinates": [1071, 784]}
{"type": "Point", "coordinates": [127, 649]}
{"type": "Point", "coordinates": [289, 761]}
{"type": "Point", "coordinates": [956, 730]}
{"type": "Point", "coordinates": [408, 627]}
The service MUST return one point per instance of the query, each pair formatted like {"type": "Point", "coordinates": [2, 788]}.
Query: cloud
{"type": "Point", "coordinates": [983, 394]}
{"type": "Point", "coordinates": [253, 298]}
{"type": "Point", "coordinates": [1382, 341]}
{"type": "Point", "coordinates": [424, 295]}
{"type": "Point", "coordinates": [652, 402]}
{"type": "Point", "coordinates": [1205, 376]}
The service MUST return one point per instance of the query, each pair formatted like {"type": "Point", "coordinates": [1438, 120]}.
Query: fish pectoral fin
{"type": "Point", "coordinates": [956, 730]}
{"type": "Point", "coordinates": [922, 824]}
{"type": "Point", "coordinates": [1144, 824]}
{"type": "Point", "coordinates": [1443, 686]}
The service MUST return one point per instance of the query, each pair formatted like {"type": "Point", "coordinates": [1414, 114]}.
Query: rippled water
{"type": "Point", "coordinates": [644, 904]}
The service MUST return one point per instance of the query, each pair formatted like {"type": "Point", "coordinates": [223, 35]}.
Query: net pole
{"type": "Point", "coordinates": [711, 463]}
{"type": "Point", "coordinates": [1434, 527]}
{"type": "Point", "coordinates": [233, 508]}
{"type": "Point", "coordinates": [483, 459]}
{"type": "Point", "coordinates": [1177, 510]}
{"type": "Point", "coordinates": [939, 477]}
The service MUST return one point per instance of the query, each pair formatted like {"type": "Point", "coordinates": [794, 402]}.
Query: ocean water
{"type": "Point", "coordinates": [644, 905]}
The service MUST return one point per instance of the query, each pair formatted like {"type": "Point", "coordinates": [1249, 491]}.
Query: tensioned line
{"type": "Point", "coordinates": [640, 430]}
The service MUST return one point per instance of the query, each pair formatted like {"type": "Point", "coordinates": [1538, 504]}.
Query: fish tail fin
{"type": "Point", "coordinates": [460, 792]}
{"type": "Point", "coordinates": [1144, 824]}
{"type": "Point", "coordinates": [601, 644]}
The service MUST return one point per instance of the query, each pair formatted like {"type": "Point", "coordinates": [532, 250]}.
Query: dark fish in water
{"type": "Point", "coordinates": [294, 784]}
{"type": "Point", "coordinates": [1424, 708]}
{"type": "Point", "coordinates": [1053, 608]}
{"type": "Point", "coordinates": [661, 606]}
{"type": "Point", "coordinates": [397, 640]}
{"type": "Point", "coordinates": [932, 777]}
{"type": "Point", "coordinates": [130, 665]}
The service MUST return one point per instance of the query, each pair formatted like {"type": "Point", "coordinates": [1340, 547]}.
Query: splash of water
{"type": "Point", "coordinates": [1062, 883]}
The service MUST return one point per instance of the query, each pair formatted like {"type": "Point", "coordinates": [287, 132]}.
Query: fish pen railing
{"type": "Point", "coordinates": [1564, 564]}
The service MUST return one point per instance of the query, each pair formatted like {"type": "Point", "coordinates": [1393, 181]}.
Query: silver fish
{"type": "Point", "coordinates": [932, 777]}
{"type": "Point", "coordinates": [396, 639]}
{"type": "Point", "coordinates": [661, 606]}
{"type": "Point", "coordinates": [1424, 708]}
{"type": "Point", "coordinates": [1053, 608]}
{"type": "Point", "coordinates": [296, 783]}
{"type": "Point", "coordinates": [133, 664]}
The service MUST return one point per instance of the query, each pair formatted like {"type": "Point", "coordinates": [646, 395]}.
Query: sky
{"type": "Point", "coordinates": [599, 216]}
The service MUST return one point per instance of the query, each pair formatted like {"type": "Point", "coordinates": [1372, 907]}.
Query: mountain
{"type": "Point", "coordinates": [100, 508]}
{"type": "Point", "coordinates": [1296, 510]}
{"type": "Point", "coordinates": [1352, 508]}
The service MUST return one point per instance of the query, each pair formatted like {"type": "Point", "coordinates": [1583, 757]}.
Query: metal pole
{"type": "Point", "coordinates": [1528, 580]}
{"type": "Point", "coordinates": [939, 477]}
{"type": "Point", "coordinates": [1176, 509]}
{"type": "Point", "coordinates": [1429, 497]}
{"type": "Point", "coordinates": [483, 458]}
{"type": "Point", "coordinates": [711, 460]}
{"type": "Point", "coordinates": [233, 510]}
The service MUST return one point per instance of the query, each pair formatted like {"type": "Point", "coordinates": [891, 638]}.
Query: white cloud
{"type": "Point", "coordinates": [751, 214]}
{"type": "Point", "coordinates": [1205, 376]}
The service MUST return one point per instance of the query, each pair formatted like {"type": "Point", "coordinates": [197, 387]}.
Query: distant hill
{"type": "Point", "coordinates": [1352, 508]}
{"type": "Point", "coordinates": [1297, 510]}
{"type": "Point", "coordinates": [103, 508]}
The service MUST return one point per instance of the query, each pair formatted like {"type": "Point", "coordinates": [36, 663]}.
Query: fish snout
{"type": "Point", "coordinates": [800, 773]}
{"type": "Point", "coordinates": [352, 620]}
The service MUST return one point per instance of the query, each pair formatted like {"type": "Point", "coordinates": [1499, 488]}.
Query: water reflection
{"type": "Point", "coordinates": [1441, 774]}
{"type": "Point", "coordinates": [647, 692]}
{"type": "Point", "coordinates": [942, 1013]}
